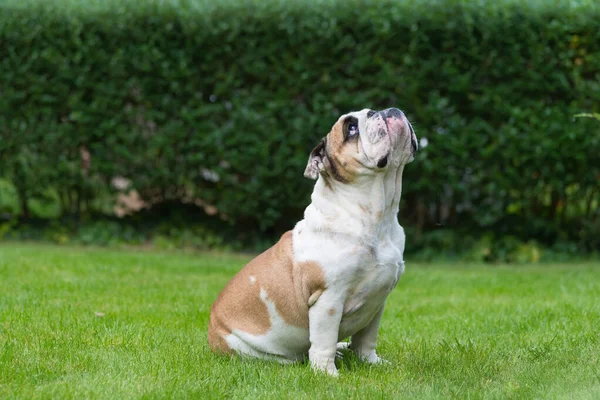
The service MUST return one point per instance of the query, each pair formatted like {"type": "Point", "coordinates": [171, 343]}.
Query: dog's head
{"type": "Point", "coordinates": [363, 143]}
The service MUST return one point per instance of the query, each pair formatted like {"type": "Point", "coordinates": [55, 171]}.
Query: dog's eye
{"type": "Point", "coordinates": [352, 129]}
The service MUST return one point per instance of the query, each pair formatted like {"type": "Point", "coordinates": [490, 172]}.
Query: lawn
{"type": "Point", "coordinates": [95, 323]}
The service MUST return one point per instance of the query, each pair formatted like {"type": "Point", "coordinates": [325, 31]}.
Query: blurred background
{"type": "Point", "coordinates": [188, 124]}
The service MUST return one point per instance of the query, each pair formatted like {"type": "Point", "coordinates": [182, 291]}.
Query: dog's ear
{"type": "Point", "coordinates": [316, 161]}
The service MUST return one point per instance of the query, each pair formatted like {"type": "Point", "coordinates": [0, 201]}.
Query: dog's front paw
{"type": "Point", "coordinates": [327, 366]}
{"type": "Point", "coordinates": [377, 360]}
{"type": "Point", "coordinates": [323, 360]}
{"type": "Point", "coordinates": [372, 358]}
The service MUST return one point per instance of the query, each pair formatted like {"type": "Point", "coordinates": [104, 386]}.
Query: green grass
{"type": "Point", "coordinates": [91, 323]}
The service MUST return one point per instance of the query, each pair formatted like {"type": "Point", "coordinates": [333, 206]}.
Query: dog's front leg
{"type": "Point", "coordinates": [364, 342]}
{"type": "Point", "coordinates": [324, 319]}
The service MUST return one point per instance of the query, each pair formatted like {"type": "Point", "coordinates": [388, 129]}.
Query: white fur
{"type": "Point", "coordinates": [362, 261]}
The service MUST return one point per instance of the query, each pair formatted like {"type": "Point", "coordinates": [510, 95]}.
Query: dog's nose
{"type": "Point", "coordinates": [392, 113]}
{"type": "Point", "coordinates": [394, 121]}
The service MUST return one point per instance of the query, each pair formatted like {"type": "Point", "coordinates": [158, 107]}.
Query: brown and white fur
{"type": "Point", "coordinates": [328, 278]}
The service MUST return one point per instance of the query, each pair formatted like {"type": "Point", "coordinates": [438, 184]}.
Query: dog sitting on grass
{"type": "Point", "coordinates": [329, 277]}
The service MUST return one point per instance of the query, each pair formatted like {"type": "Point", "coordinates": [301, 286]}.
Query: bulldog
{"type": "Point", "coordinates": [329, 277]}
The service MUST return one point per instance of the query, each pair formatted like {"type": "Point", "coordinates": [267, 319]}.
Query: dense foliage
{"type": "Point", "coordinates": [222, 103]}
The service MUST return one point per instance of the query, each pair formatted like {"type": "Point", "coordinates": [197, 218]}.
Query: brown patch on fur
{"type": "Point", "coordinates": [289, 285]}
{"type": "Point", "coordinates": [331, 312]}
{"type": "Point", "coordinates": [340, 154]}
{"type": "Point", "coordinates": [216, 337]}
{"type": "Point", "coordinates": [334, 156]}
{"type": "Point", "coordinates": [309, 284]}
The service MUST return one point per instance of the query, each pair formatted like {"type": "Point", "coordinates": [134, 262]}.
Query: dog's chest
{"type": "Point", "coordinates": [369, 284]}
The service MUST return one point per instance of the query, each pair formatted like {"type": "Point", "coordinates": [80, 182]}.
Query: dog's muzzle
{"type": "Point", "coordinates": [393, 122]}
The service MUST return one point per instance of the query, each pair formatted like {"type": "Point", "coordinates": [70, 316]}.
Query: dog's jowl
{"type": "Point", "coordinates": [329, 277]}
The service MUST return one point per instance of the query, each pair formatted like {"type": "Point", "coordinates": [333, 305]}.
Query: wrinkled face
{"type": "Point", "coordinates": [363, 143]}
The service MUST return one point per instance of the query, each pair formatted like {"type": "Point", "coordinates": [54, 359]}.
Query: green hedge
{"type": "Point", "coordinates": [175, 94]}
